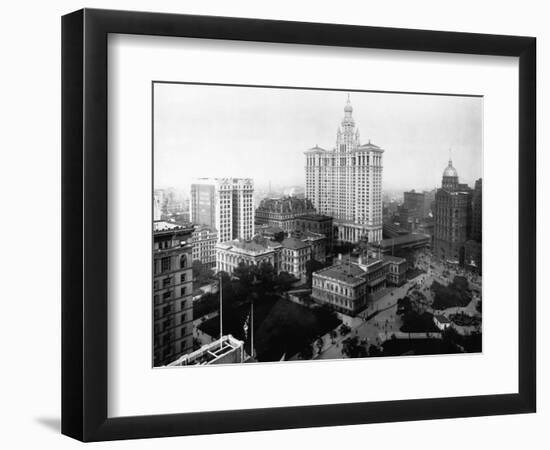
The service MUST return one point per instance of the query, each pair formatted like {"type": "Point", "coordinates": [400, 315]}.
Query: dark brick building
{"type": "Point", "coordinates": [317, 223]}
{"type": "Point", "coordinates": [472, 248]}
{"type": "Point", "coordinates": [452, 217]}
{"type": "Point", "coordinates": [172, 292]}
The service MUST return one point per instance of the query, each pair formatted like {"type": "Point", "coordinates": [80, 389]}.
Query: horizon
{"type": "Point", "coordinates": [202, 131]}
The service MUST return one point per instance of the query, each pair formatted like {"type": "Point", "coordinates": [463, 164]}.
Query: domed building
{"type": "Point", "coordinates": [452, 217]}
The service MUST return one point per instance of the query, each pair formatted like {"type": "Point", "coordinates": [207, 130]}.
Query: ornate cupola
{"type": "Point", "coordinates": [450, 177]}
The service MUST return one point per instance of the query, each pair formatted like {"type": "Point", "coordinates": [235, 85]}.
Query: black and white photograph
{"type": "Point", "coordinates": [309, 224]}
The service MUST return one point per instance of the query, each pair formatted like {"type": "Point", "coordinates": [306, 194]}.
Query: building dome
{"type": "Point", "coordinates": [450, 171]}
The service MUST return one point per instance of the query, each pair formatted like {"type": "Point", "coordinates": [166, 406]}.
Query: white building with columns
{"type": "Point", "coordinates": [346, 183]}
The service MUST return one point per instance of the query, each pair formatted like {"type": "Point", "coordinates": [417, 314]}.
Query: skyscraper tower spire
{"type": "Point", "coordinates": [347, 139]}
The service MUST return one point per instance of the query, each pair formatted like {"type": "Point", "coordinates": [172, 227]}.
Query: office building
{"type": "Point", "coordinates": [452, 217]}
{"type": "Point", "coordinates": [346, 183]}
{"type": "Point", "coordinates": [224, 204]}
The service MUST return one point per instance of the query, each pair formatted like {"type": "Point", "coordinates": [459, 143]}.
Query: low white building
{"type": "Point", "coordinates": [226, 350]}
{"type": "Point", "coordinates": [441, 322]}
{"type": "Point", "coordinates": [232, 253]}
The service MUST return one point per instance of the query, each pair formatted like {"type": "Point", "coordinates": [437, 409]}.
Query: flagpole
{"type": "Point", "coordinates": [221, 310]}
{"type": "Point", "coordinates": [252, 329]}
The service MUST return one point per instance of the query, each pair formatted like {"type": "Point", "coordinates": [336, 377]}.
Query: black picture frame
{"type": "Point", "coordinates": [84, 224]}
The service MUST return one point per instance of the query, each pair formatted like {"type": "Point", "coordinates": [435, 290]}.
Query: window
{"type": "Point", "coordinates": [183, 277]}
{"type": "Point", "coordinates": [167, 295]}
{"type": "Point", "coordinates": [183, 261]}
{"type": "Point", "coordinates": [166, 282]}
{"type": "Point", "coordinates": [165, 264]}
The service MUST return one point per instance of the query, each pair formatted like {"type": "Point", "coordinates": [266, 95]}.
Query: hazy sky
{"type": "Point", "coordinates": [225, 131]}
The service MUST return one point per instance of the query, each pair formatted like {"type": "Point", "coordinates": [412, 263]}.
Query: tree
{"type": "Point", "coordinates": [245, 273]}
{"type": "Point", "coordinates": [201, 274]}
{"type": "Point", "coordinates": [403, 305]}
{"type": "Point", "coordinates": [285, 280]}
{"type": "Point", "coordinates": [353, 349]}
{"type": "Point", "coordinates": [266, 274]}
{"type": "Point", "coordinates": [344, 329]}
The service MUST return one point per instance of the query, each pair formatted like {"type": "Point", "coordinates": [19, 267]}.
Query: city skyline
{"type": "Point", "coordinates": [262, 133]}
{"type": "Point", "coordinates": [250, 276]}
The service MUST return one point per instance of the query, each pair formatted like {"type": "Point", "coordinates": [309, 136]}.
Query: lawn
{"type": "Point", "coordinates": [280, 326]}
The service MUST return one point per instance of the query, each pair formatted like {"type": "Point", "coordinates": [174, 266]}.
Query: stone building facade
{"type": "Point", "coordinates": [283, 212]}
{"type": "Point", "coordinates": [346, 183]}
{"type": "Point", "coordinates": [348, 286]}
{"type": "Point", "coordinates": [172, 291]}
{"type": "Point", "coordinates": [204, 245]}
{"type": "Point", "coordinates": [452, 217]}
{"type": "Point", "coordinates": [317, 223]}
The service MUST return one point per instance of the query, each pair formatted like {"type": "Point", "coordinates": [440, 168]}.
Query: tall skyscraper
{"type": "Point", "coordinates": [225, 204]}
{"type": "Point", "coordinates": [452, 217]}
{"type": "Point", "coordinates": [346, 183]}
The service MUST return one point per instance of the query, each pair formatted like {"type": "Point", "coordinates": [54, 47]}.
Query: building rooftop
{"type": "Point", "coordinates": [210, 353]}
{"type": "Point", "coordinates": [348, 273]}
{"type": "Point", "coordinates": [441, 319]}
{"type": "Point", "coordinates": [315, 149]}
{"type": "Point", "coordinates": [395, 259]}
{"type": "Point", "coordinates": [247, 247]}
{"type": "Point", "coordinates": [270, 229]}
{"type": "Point", "coordinates": [315, 217]}
{"type": "Point", "coordinates": [288, 204]}
{"type": "Point", "coordinates": [293, 243]}
{"type": "Point", "coordinates": [309, 236]}
{"type": "Point", "coordinates": [163, 226]}
{"type": "Point", "coordinates": [406, 239]}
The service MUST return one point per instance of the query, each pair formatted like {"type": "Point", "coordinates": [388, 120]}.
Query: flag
{"type": "Point", "coordinates": [245, 326]}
